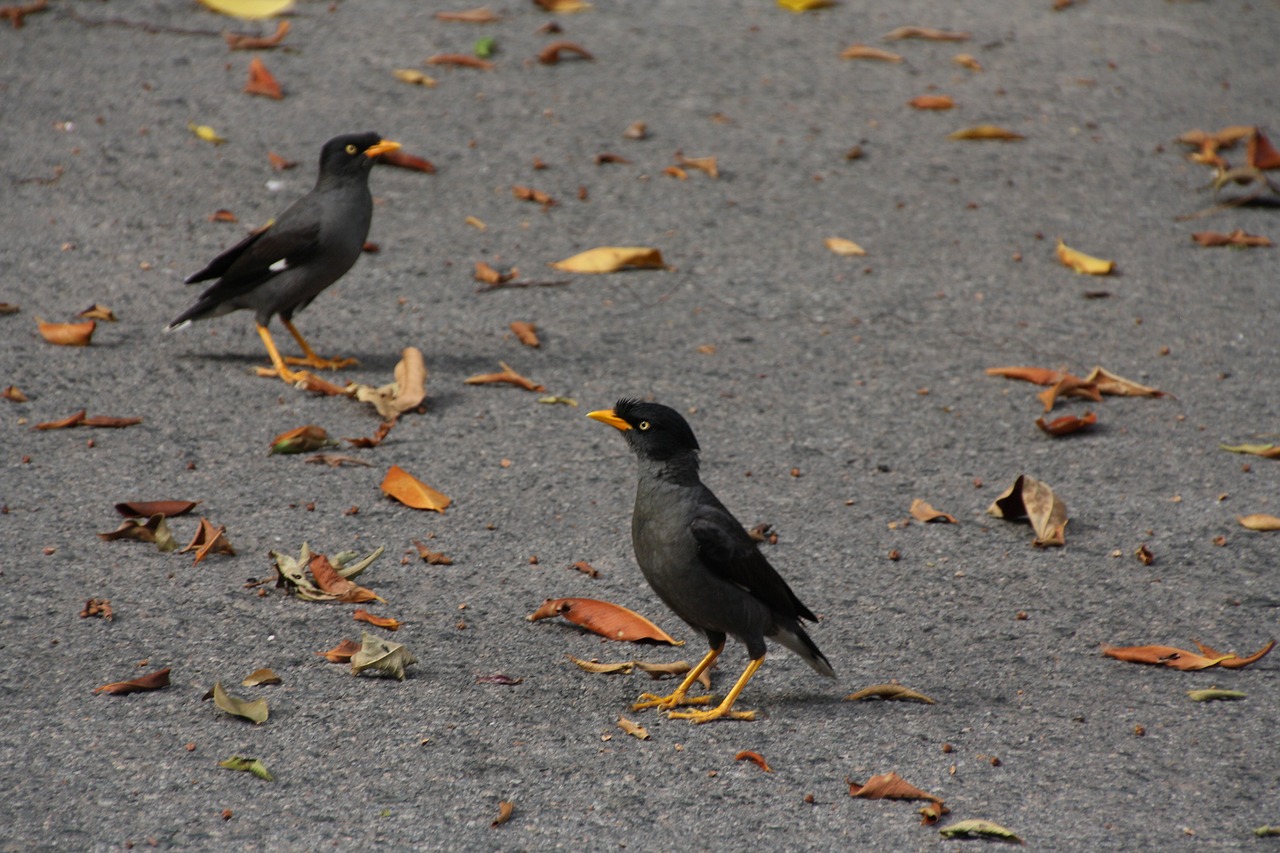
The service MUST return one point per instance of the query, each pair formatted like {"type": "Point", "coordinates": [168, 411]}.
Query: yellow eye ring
{"type": "Point", "coordinates": [643, 425]}
{"type": "Point", "coordinates": [351, 148]}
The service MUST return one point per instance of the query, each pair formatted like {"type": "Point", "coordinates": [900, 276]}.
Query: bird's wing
{"type": "Point", "coordinates": [732, 555]}
{"type": "Point", "coordinates": [265, 252]}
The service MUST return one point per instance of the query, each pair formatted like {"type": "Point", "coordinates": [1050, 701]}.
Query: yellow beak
{"type": "Point", "coordinates": [383, 146]}
{"type": "Point", "coordinates": [606, 416]}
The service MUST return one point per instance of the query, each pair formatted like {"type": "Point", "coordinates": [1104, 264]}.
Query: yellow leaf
{"type": "Point", "coordinates": [250, 10]}
{"type": "Point", "coordinates": [805, 5]}
{"type": "Point", "coordinates": [412, 492]}
{"type": "Point", "coordinates": [634, 729]}
{"type": "Point", "coordinates": [1259, 521]}
{"type": "Point", "coordinates": [203, 131]}
{"type": "Point", "coordinates": [841, 246]}
{"type": "Point", "coordinates": [611, 259]}
{"type": "Point", "coordinates": [413, 77]}
{"type": "Point", "coordinates": [1082, 263]}
{"type": "Point", "coordinates": [563, 7]}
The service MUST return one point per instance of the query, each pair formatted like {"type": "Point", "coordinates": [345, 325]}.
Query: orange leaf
{"type": "Point", "coordinates": [1261, 154]}
{"type": "Point", "coordinates": [508, 376]}
{"type": "Point", "coordinates": [208, 540]}
{"type": "Point", "coordinates": [888, 786]}
{"type": "Point", "coordinates": [460, 59]}
{"type": "Point", "coordinates": [261, 81]}
{"type": "Point", "coordinates": [932, 102]}
{"type": "Point", "coordinates": [146, 509]}
{"type": "Point", "coordinates": [702, 164]}
{"type": "Point", "coordinates": [405, 160]}
{"type": "Point", "coordinates": [412, 492]}
{"type": "Point", "coordinates": [862, 51]}
{"type": "Point", "coordinates": [279, 163]}
{"type": "Point", "coordinates": [986, 131]}
{"type": "Point", "coordinates": [152, 681]}
{"type": "Point", "coordinates": [1067, 424]}
{"type": "Point", "coordinates": [1070, 386]}
{"type": "Point", "coordinates": [236, 41]}
{"type": "Point", "coordinates": [928, 33]}
{"type": "Point", "coordinates": [342, 652]}
{"type": "Point", "coordinates": [527, 333]}
{"type": "Point", "coordinates": [67, 334]}
{"type": "Point", "coordinates": [967, 61]}
{"type": "Point", "coordinates": [1117, 386]}
{"type": "Point", "coordinates": [489, 275]}
{"type": "Point", "coordinates": [1036, 375]}
{"type": "Point", "coordinates": [107, 422]}
{"type": "Point", "coordinates": [551, 54]}
{"type": "Point", "coordinates": [922, 511]}
{"type": "Point", "coordinates": [328, 581]}
{"type": "Point", "coordinates": [1163, 655]}
{"type": "Point", "coordinates": [755, 758]}
{"type": "Point", "coordinates": [1259, 521]}
{"type": "Point", "coordinates": [69, 421]}
{"type": "Point", "coordinates": [362, 615]}
{"type": "Point", "coordinates": [431, 558]}
{"type": "Point", "coordinates": [604, 618]}
{"type": "Point", "coordinates": [480, 15]}
{"type": "Point", "coordinates": [1234, 661]}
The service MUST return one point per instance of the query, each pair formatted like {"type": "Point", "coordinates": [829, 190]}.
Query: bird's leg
{"type": "Point", "coordinates": [722, 711]}
{"type": "Point", "coordinates": [310, 359]}
{"type": "Point", "coordinates": [677, 697]}
{"type": "Point", "coordinates": [280, 369]}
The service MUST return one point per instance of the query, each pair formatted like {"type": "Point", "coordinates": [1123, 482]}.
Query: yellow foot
{"type": "Point", "coordinates": [713, 714]}
{"type": "Point", "coordinates": [322, 363]}
{"type": "Point", "coordinates": [675, 700]}
{"type": "Point", "coordinates": [293, 377]}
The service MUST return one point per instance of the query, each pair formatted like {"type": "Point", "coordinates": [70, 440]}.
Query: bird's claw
{"type": "Point", "coordinates": [666, 703]}
{"type": "Point", "coordinates": [713, 714]}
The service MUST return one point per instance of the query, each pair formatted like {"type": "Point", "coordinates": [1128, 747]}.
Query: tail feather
{"type": "Point", "coordinates": [795, 638]}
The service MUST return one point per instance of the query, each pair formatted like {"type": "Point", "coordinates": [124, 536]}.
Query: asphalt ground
{"type": "Point", "coordinates": [828, 392]}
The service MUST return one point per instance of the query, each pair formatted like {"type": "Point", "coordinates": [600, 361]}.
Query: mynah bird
{"type": "Point", "coordinates": [281, 267]}
{"type": "Point", "coordinates": [701, 562]}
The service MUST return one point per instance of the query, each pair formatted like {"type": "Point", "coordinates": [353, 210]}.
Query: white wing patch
{"type": "Point", "coordinates": [280, 265]}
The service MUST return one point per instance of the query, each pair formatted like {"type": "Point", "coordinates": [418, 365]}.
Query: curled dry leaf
{"type": "Point", "coordinates": [978, 828]}
{"type": "Point", "coordinates": [151, 681]}
{"type": "Point", "coordinates": [479, 15]}
{"type": "Point", "coordinates": [412, 492]}
{"type": "Point", "coordinates": [932, 102]}
{"type": "Point", "coordinates": [247, 765]}
{"type": "Point", "coordinates": [255, 710]}
{"type": "Point", "coordinates": [634, 729]}
{"type": "Point", "coordinates": [280, 164]}
{"type": "Point", "coordinates": [259, 677]}
{"type": "Point", "coordinates": [530, 194]}
{"type": "Point", "coordinates": [888, 786]}
{"type": "Point", "coordinates": [13, 394]}
{"type": "Point", "coordinates": [362, 615]}
{"type": "Point", "coordinates": [890, 693]}
{"type": "Point", "coordinates": [1163, 656]}
{"type": "Point", "coordinates": [676, 172]}
{"type": "Point", "coordinates": [155, 529]}
{"type": "Point", "coordinates": [706, 165]}
{"type": "Point", "coordinates": [1033, 500]}
{"type": "Point", "coordinates": [841, 246]}
{"type": "Point", "coordinates": [755, 758]}
{"type": "Point", "coordinates": [506, 809]}
{"type": "Point", "coordinates": [554, 52]}
{"type": "Point", "coordinates": [146, 509]}
{"type": "Point", "coordinates": [460, 59]}
{"type": "Point", "coordinates": [507, 376]}
{"type": "Point", "coordinates": [1260, 153]}
{"type": "Point", "coordinates": [336, 587]}
{"type": "Point", "coordinates": [604, 618]}
{"type": "Point", "coordinates": [239, 41]}
{"type": "Point", "coordinates": [262, 82]}
{"type": "Point", "coordinates": [554, 400]}
{"type": "Point", "coordinates": [1117, 386]}
{"type": "Point", "coordinates": [383, 430]}
{"type": "Point", "coordinates": [1067, 424]}
{"type": "Point", "coordinates": [432, 558]}
{"type": "Point", "coordinates": [1233, 661]}
{"type": "Point", "coordinates": [1237, 238]}
{"type": "Point", "coordinates": [1070, 386]}
{"type": "Point", "coordinates": [342, 652]}
{"type": "Point", "coordinates": [624, 667]}
{"type": "Point", "coordinates": [337, 460]}
{"type": "Point", "coordinates": [250, 10]}
{"type": "Point", "coordinates": [499, 678]}
{"type": "Point", "coordinates": [381, 655]}
{"type": "Point", "coordinates": [862, 51]}
{"type": "Point", "coordinates": [928, 33]}
{"type": "Point", "coordinates": [304, 439]}
{"type": "Point", "coordinates": [1037, 375]}
{"type": "Point", "coordinates": [404, 160]}
{"type": "Point", "coordinates": [922, 511]}
{"type": "Point", "coordinates": [636, 130]}
{"type": "Point", "coordinates": [1259, 521]}
{"type": "Point", "coordinates": [100, 607]}
{"type": "Point", "coordinates": [966, 61]}
{"type": "Point", "coordinates": [931, 813]}
{"type": "Point", "coordinates": [1267, 451]}
{"type": "Point", "coordinates": [67, 334]}
{"type": "Point", "coordinates": [985, 131]}
{"type": "Point", "coordinates": [98, 312]}
{"type": "Point", "coordinates": [606, 259]}
{"type": "Point", "coordinates": [407, 391]}
{"type": "Point", "coordinates": [526, 333]}
{"type": "Point", "coordinates": [208, 540]}
{"type": "Point", "coordinates": [586, 568]}
{"type": "Point", "coordinates": [70, 421]}
{"type": "Point", "coordinates": [489, 275]}
{"type": "Point", "coordinates": [1082, 263]}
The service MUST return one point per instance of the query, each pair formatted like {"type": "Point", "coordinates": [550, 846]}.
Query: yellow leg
{"type": "Point", "coordinates": [310, 358]}
{"type": "Point", "coordinates": [677, 697]}
{"type": "Point", "coordinates": [280, 369]}
{"type": "Point", "coordinates": [722, 711]}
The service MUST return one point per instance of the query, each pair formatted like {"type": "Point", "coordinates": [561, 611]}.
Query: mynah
{"type": "Point", "coordinates": [282, 266]}
{"type": "Point", "coordinates": [700, 560]}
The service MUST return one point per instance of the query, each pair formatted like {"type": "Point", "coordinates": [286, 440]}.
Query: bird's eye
{"type": "Point", "coordinates": [642, 426]}
{"type": "Point", "coordinates": [351, 149]}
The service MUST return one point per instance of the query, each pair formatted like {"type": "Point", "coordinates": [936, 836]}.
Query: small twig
{"type": "Point", "coordinates": [503, 285]}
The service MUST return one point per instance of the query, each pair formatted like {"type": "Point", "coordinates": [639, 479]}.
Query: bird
{"type": "Point", "coordinates": [701, 562]}
{"type": "Point", "coordinates": [279, 268]}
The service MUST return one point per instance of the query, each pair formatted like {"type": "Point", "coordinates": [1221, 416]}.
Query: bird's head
{"type": "Point", "coordinates": [653, 430]}
{"type": "Point", "coordinates": [353, 153]}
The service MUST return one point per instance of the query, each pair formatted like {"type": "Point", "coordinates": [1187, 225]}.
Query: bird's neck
{"type": "Point", "coordinates": [679, 470]}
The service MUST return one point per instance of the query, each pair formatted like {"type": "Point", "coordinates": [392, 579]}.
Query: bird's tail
{"type": "Point", "coordinates": [795, 638]}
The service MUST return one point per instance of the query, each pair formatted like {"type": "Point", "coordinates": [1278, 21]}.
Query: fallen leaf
{"type": "Point", "coordinates": [487, 274]}
{"type": "Point", "coordinates": [107, 422]}
{"type": "Point", "coordinates": [383, 430]}
{"type": "Point", "coordinates": [862, 51]}
{"type": "Point", "coordinates": [13, 394]}
{"type": "Point", "coordinates": [247, 765]}
{"type": "Point", "coordinates": [1163, 656]}
{"type": "Point", "coordinates": [479, 15]}
{"type": "Point", "coordinates": [249, 9]}
{"type": "Point", "coordinates": [381, 655]}
{"type": "Point", "coordinates": [985, 131]}
{"type": "Point", "coordinates": [17, 13]}
{"type": "Point", "coordinates": [155, 529]}
{"type": "Point", "coordinates": [1144, 555]}
{"type": "Point", "coordinates": [413, 77]}
{"type": "Point", "coordinates": [98, 312]}
{"type": "Point", "coordinates": [404, 160]}
{"type": "Point", "coordinates": [604, 618]}
{"type": "Point", "coordinates": [262, 82]}
{"type": "Point", "coordinates": [146, 509]}
{"type": "Point", "coordinates": [706, 165]}
{"type": "Point", "coordinates": [888, 786]}
{"type": "Point", "coordinates": [337, 460]}
{"type": "Point", "coordinates": [1070, 386]}
{"type": "Point", "coordinates": [255, 711]}
{"type": "Point", "coordinates": [530, 194]}
{"type": "Point", "coordinates": [967, 61]}
{"type": "Point", "coordinates": [499, 678]}
{"type": "Point", "coordinates": [507, 376]}
{"type": "Point", "coordinates": [922, 511]}
{"type": "Point", "coordinates": [928, 33]}
{"type": "Point", "coordinates": [1259, 521]}
{"type": "Point", "coordinates": [1233, 661]}
{"type": "Point", "coordinates": [841, 246]}
{"type": "Point", "coordinates": [1237, 238]}
{"type": "Point", "coordinates": [67, 422]}
{"type": "Point", "coordinates": [237, 41]}
{"type": "Point", "coordinates": [460, 59]}
{"type": "Point", "coordinates": [151, 681]}
{"type": "Point", "coordinates": [978, 828]}
{"type": "Point", "coordinates": [1117, 386]}
{"type": "Point", "coordinates": [506, 809]}
{"type": "Point", "coordinates": [1260, 153]}
{"type": "Point", "coordinates": [1215, 694]}
{"type": "Point", "coordinates": [1035, 501]}
{"type": "Point", "coordinates": [1037, 375]}
{"type": "Point", "coordinates": [556, 400]}
{"type": "Point", "coordinates": [634, 729]}
{"type": "Point", "coordinates": [342, 652]}
{"type": "Point", "coordinates": [563, 7]}
{"type": "Point", "coordinates": [259, 677]}
{"type": "Point", "coordinates": [932, 102]}
{"type": "Point", "coordinates": [676, 172]}
{"type": "Point", "coordinates": [280, 164]}
{"type": "Point", "coordinates": [931, 813]}
{"type": "Point", "coordinates": [606, 259]}
{"type": "Point", "coordinates": [624, 667]}
{"type": "Point", "coordinates": [586, 568]}
{"type": "Point", "coordinates": [477, 224]}
{"type": "Point", "coordinates": [553, 53]}
{"type": "Point", "coordinates": [205, 133]}
{"type": "Point", "coordinates": [1082, 263]}
{"type": "Point", "coordinates": [755, 758]}
{"type": "Point", "coordinates": [67, 334]}
{"type": "Point", "coordinates": [208, 540]}
{"type": "Point", "coordinates": [636, 130]}
{"type": "Point", "coordinates": [100, 607]}
{"type": "Point", "coordinates": [526, 333]}
{"type": "Point", "coordinates": [889, 693]}
{"type": "Point", "coordinates": [433, 558]}
{"type": "Point", "coordinates": [1067, 424]}
{"type": "Point", "coordinates": [304, 439]}
{"type": "Point", "coordinates": [407, 391]}
{"type": "Point", "coordinates": [1267, 451]}
{"type": "Point", "coordinates": [1266, 830]}
{"type": "Point", "coordinates": [339, 588]}
{"type": "Point", "coordinates": [222, 215]}
{"type": "Point", "coordinates": [362, 615]}
{"type": "Point", "coordinates": [412, 492]}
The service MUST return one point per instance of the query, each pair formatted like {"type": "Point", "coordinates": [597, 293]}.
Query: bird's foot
{"type": "Point", "coordinates": [666, 703]}
{"type": "Point", "coordinates": [718, 713]}
{"type": "Point", "coordinates": [293, 377]}
{"type": "Point", "coordinates": [321, 363]}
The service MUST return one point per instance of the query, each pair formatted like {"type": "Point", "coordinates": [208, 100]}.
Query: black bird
{"type": "Point", "coordinates": [285, 264]}
{"type": "Point", "coordinates": [700, 561]}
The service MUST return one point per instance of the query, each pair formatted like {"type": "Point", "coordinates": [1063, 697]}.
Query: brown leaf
{"type": "Point", "coordinates": [152, 530]}
{"type": "Point", "coordinates": [69, 421]}
{"type": "Point", "coordinates": [67, 334]}
{"type": "Point", "coordinates": [304, 439]}
{"type": "Point", "coordinates": [259, 677]}
{"type": "Point", "coordinates": [1117, 386]}
{"type": "Point", "coordinates": [98, 312]}
{"type": "Point", "coordinates": [1260, 153]}
{"type": "Point", "coordinates": [552, 53]}
{"type": "Point", "coordinates": [13, 394]}
{"type": "Point", "coordinates": [279, 163]}
{"type": "Point", "coordinates": [526, 333]}
{"type": "Point", "coordinates": [1238, 238]}
{"type": "Point", "coordinates": [932, 102]}
{"type": "Point", "coordinates": [1231, 660]}
{"type": "Point", "coordinates": [1259, 521]}
{"type": "Point", "coordinates": [922, 511]}
{"type": "Point", "coordinates": [986, 131]}
{"type": "Point", "coordinates": [100, 607]}
{"type": "Point", "coordinates": [17, 13]}
{"type": "Point", "coordinates": [460, 59]}
{"type": "Point", "coordinates": [604, 618]}
{"type": "Point", "coordinates": [586, 568]}
{"type": "Point", "coordinates": [499, 678]}
{"type": "Point", "coordinates": [379, 434]}
{"type": "Point", "coordinates": [702, 164]}
{"type": "Point", "coordinates": [1067, 424]}
{"type": "Point", "coordinates": [890, 693]}
{"type": "Point", "coordinates": [602, 159]}
{"type": "Point", "coordinates": [412, 492]}
{"type": "Point", "coordinates": [262, 82]}
{"type": "Point", "coordinates": [342, 652]}
{"type": "Point", "coordinates": [479, 15]}
{"type": "Point", "coordinates": [928, 33]}
{"type": "Point", "coordinates": [1035, 501]}
{"type": "Point", "coordinates": [862, 51]}
{"type": "Point", "coordinates": [107, 422]}
{"type": "Point", "coordinates": [238, 41]}
{"type": "Point", "coordinates": [888, 786]}
{"type": "Point", "coordinates": [362, 615]}
{"type": "Point", "coordinates": [146, 509]}
{"type": "Point", "coordinates": [932, 813]}
{"type": "Point", "coordinates": [404, 160]}
{"type": "Point", "coordinates": [676, 172]}
{"type": "Point", "coordinates": [634, 729]}
{"type": "Point", "coordinates": [328, 581]}
{"type": "Point", "coordinates": [1163, 655]}
{"type": "Point", "coordinates": [625, 667]}
{"type": "Point", "coordinates": [530, 194]}
{"type": "Point", "coordinates": [152, 681]}
{"type": "Point", "coordinates": [1070, 386]}
{"type": "Point", "coordinates": [1144, 555]}
{"type": "Point", "coordinates": [508, 376]}
{"type": "Point", "coordinates": [489, 275]}
{"type": "Point", "coordinates": [505, 810]}
{"type": "Point", "coordinates": [222, 215]}
{"type": "Point", "coordinates": [755, 758]}
{"type": "Point", "coordinates": [433, 558]}
{"type": "Point", "coordinates": [208, 540]}
{"type": "Point", "coordinates": [1036, 375]}
{"type": "Point", "coordinates": [636, 130]}
{"type": "Point", "coordinates": [407, 391]}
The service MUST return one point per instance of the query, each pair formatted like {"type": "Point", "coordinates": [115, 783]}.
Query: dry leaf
{"type": "Point", "coordinates": [206, 133]}
{"type": "Point", "coordinates": [977, 828]}
{"type": "Point", "coordinates": [1237, 238]}
{"type": "Point", "coordinates": [262, 82]}
{"type": "Point", "coordinates": [259, 677]}
{"type": "Point", "coordinates": [460, 59]}
{"type": "Point", "coordinates": [636, 130]}
{"type": "Point", "coordinates": [967, 61]}
{"type": "Point", "coordinates": [342, 652]}
{"type": "Point", "coordinates": [931, 813]}
{"type": "Point", "coordinates": [706, 165]}
{"type": "Point", "coordinates": [755, 758]}
{"type": "Point", "coordinates": [1070, 386]}
{"type": "Point", "coordinates": [1230, 660]}
{"type": "Point", "coordinates": [1035, 501]}
{"type": "Point", "coordinates": [237, 41]}
{"type": "Point", "coordinates": [1082, 263]}
{"type": "Point", "coordinates": [13, 394]}
{"type": "Point", "coordinates": [841, 246]}
{"type": "Point", "coordinates": [562, 7]}
{"type": "Point", "coordinates": [1117, 386]}
{"type": "Point", "coordinates": [107, 422]}
{"type": "Point", "coordinates": [890, 693]}
{"type": "Point", "coordinates": [1259, 521]}
{"type": "Point", "coordinates": [255, 710]}
{"type": "Point", "coordinates": [862, 51]}
{"type": "Point", "coordinates": [526, 333]}
{"type": "Point", "coordinates": [1216, 694]}
{"type": "Point", "coordinates": [1163, 656]}
{"type": "Point", "coordinates": [404, 160]}
{"type": "Point", "coordinates": [151, 681]}
{"type": "Point", "coordinates": [479, 15]}
{"type": "Point", "coordinates": [432, 558]}
{"type": "Point", "coordinates": [100, 607]}
{"type": "Point", "coordinates": [412, 492]}
{"type": "Point", "coordinates": [155, 529]}
{"type": "Point", "coordinates": [362, 615]}
{"type": "Point", "coordinates": [604, 618]}
{"type": "Point", "coordinates": [922, 511]}
{"type": "Point", "coordinates": [334, 585]}
{"type": "Point", "coordinates": [552, 53]}
{"type": "Point", "coordinates": [624, 667]}
{"type": "Point", "coordinates": [634, 729]}
{"type": "Point", "coordinates": [304, 439]}
{"type": "Point", "coordinates": [986, 131]}
{"type": "Point", "coordinates": [147, 509]}
{"type": "Point", "coordinates": [499, 678]}
{"type": "Point", "coordinates": [247, 765]}
{"type": "Point", "coordinates": [888, 786]}
{"type": "Point", "coordinates": [249, 9]}
{"type": "Point", "coordinates": [928, 33]}
{"type": "Point", "coordinates": [383, 430]}
{"type": "Point", "coordinates": [676, 172]}
{"type": "Point", "coordinates": [407, 391]}
{"type": "Point", "coordinates": [208, 540]}
{"type": "Point", "coordinates": [506, 809]}
{"type": "Point", "coordinates": [1260, 153]}
{"type": "Point", "coordinates": [602, 159]}
{"type": "Point", "coordinates": [69, 421]}
{"type": "Point", "coordinates": [507, 376]}
{"type": "Point", "coordinates": [413, 77]}
{"type": "Point", "coordinates": [1067, 424]}
{"type": "Point", "coordinates": [607, 259]}
{"type": "Point", "coordinates": [1037, 375]}
{"type": "Point", "coordinates": [67, 334]}
{"type": "Point", "coordinates": [489, 275]}
{"type": "Point", "coordinates": [1267, 451]}
{"type": "Point", "coordinates": [932, 102]}
{"type": "Point", "coordinates": [586, 568]}
{"type": "Point", "coordinates": [98, 312]}
{"type": "Point", "coordinates": [382, 655]}
{"type": "Point", "coordinates": [280, 164]}
{"type": "Point", "coordinates": [530, 194]}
